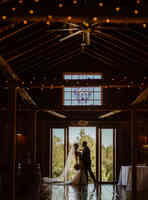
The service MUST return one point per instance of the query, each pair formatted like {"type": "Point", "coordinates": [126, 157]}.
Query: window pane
{"type": "Point", "coordinates": [57, 152]}
{"type": "Point", "coordinates": [67, 103]}
{"type": "Point", "coordinates": [83, 95]}
{"type": "Point", "coordinates": [67, 95]}
{"type": "Point", "coordinates": [107, 155]}
{"type": "Point", "coordinates": [67, 77]}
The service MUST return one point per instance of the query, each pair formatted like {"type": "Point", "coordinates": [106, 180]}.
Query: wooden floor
{"type": "Point", "coordinates": [101, 192]}
{"type": "Point", "coordinates": [69, 192]}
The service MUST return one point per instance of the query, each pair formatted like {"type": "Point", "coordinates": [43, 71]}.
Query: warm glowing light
{"type": "Point", "coordinates": [4, 17]}
{"type": "Point", "coordinates": [86, 24]}
{"type": "Point", "coordinates": [50, 17]}
{"type": "Point", "coordinates": [95, 19]}
{"type": "Point", "coordinates": [117, 9]}
{"type": "Point", "coordinates": [100, 4]}
{"type": "Point", "coordinates": [138, 1]}
{"type": "Point", "coordinates": [36, 1]}
{"type": "Point", "coordinates": [60, 5]}
{"type": "Point", "coordinates": [19, 134]}
{"type": "Point", "coordinates": [48, 22]}
{"type": "Point", "coordinates": [13, 9]}
{"type": "Point", "coordinates": [107, 20]}
{"type": "Point", "coordinates": [136, 11]}
{"type": "Point", "coordinates": [31, 12]}
{"type": "Point", "coordinates": [25, 22]}
{"type": "Point", "coordinates": [75, 1]}
{"type": "Point", "coordinates": [20, 1]}
{"type": "Point", "coordinates": [69, 18]}
{"type": "Point", "coordinates": [144, 25]}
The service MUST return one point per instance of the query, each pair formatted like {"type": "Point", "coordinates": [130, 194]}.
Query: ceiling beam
{"type": "Point", "coordinates": [141, 97]}
{"type": "Point", "coordinates": [65, 19]}
{"type": "Point", "coordinates": [54, 113]}
{"type": "Point", "coordinates": [13, 76]}
{"type": "Point", "coordinates": [102, 108]}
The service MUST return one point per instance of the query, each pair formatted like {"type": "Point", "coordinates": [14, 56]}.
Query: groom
{"type": "Point", "coordinates": [86, 158]}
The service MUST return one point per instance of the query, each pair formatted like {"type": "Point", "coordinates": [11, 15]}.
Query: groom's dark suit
{"type": "Point", "coordinates": [87, 163]}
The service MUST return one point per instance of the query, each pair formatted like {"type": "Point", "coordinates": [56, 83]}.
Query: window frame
{"type": "Point", "coordinates": [75, 86]}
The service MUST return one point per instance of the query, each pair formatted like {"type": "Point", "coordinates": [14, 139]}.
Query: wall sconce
{"type": "Point", "coordinates": [20, 137]}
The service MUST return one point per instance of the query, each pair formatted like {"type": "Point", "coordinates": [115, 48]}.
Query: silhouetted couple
{"type": "Point", "coordinates": [83, 165]}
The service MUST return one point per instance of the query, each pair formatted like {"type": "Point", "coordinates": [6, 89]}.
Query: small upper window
{"type": "Point", "coordinates": [86, 96]}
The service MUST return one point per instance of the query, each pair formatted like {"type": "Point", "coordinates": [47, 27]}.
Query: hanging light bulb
{"type": "Point", "coordinates": [107, 20]}
{"type": "Point", "coordinates": [20, 1]}
{"type": "Point", "coordinates": [13, 9]}
{"type": "Point", "coordinates": [31, 12]}
{"type": "Point", "coordinates": [25, 21]}
{"type": "Point", "coordinates": [136, 11]}
{"type": "Point", "coordinates": [69, 18]}
{"type": "Point", "coordinates": [100, 4]}
{"type": "Point", "coordinates": [75, 1]}
{"type": "Point", "coordinates": [48, 22]}
{"type": "Point", "coordinates": [138, 1]}
{"type": "Point", "coordinates": [60, 5]}
{"type": "Point", "coordinates": [4, 17]}
{"type": "Point", "coordinates": [117, 9]}
{"type": "Point", "coordinates": [95, 19]}
{"type": "Point", "coordinates": [144, 25]}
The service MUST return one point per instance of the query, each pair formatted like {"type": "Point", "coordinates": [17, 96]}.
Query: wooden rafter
{"type": "Point", "coordinates": [65, 19]}
{"type": "Point", "coordinates": [142, 96]}
{"type": "Point", "coordinates": [12, 75]}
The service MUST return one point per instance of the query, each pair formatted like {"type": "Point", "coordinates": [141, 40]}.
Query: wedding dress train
{"type": "Point", "coordinates": [78, 178]}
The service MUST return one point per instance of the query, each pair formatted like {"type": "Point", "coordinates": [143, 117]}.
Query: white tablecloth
{"type": "Point", "coordinates": [125, 177]}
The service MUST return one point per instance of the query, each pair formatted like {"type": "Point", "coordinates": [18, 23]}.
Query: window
{"type": "Point", "coordinates": [86, 96]}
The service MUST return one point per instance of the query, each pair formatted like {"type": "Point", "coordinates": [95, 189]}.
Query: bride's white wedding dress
{"type": "Point", "coordinates": [78, 178]}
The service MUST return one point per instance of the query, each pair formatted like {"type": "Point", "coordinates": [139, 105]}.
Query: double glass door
{"type": "Point", "coordinates": [102, 143]}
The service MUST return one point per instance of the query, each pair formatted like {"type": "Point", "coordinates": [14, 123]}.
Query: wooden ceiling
{"type": "Point", "coordinates": [39, 41]}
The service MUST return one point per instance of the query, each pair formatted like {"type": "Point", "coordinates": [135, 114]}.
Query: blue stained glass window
{"type": "Point", "coordinates": [81, 76]}
{"type": "Point", "coordinates": [76, 96]}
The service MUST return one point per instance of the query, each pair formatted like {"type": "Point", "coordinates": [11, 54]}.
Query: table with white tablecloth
{"type": "Point", "coordinates": [125, 177]}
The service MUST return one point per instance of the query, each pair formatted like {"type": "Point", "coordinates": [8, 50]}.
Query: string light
{"type": "Point", "coordinates": [13, 9]}
{"type": "Point", "coordinates": [107, 20]}
{"type": "Point", "coordinates": [75, 1]}
{"type": "Point", "coordinates": [60, 5]}
{"type": "Point", "coordinates": [136, 11]}
{"type": "Point", "coordinates": [50, 17]}
{"type": "Point", "coordinates": [25, 21]}
{"type": "Point", "coordinates": [48, 22]}
{"type": "Point", "coordinates": [144, 25]}
{"type": "Point", "coordinates": [86, 24]}
{"type": "Point", "coordinates": [100, 4]}
{"type": "Point", "coordinates": [138, 1]}
{"type": "Point", "coordinates": [69, 18]}
{"type": "Point", "coordinates": [95, 19]}
{"type": "Point", "coordinates": [117, 8]}
{"type": "Point", "coordinates": [31, 12]}
{"type": "Point", "coordinates": [4, 17]}
{"type": "Point", "coordinates": [20, 1]}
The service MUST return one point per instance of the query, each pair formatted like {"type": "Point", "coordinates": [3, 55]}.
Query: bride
{"type": "Point", "coordinates": [79, 177]}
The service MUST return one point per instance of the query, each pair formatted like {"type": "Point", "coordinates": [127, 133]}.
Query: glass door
{"type": "Point", "coordinates": [107, 155]}
{"type": "Point", "coordinates": [80, 134]}
{"type": "Point", "coordinates": [58, 151]}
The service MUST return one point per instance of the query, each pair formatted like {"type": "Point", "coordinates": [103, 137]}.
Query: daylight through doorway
{"type": "Point", "coordinates": [80, 134]}
{"type": "Point", "coordinates": [102, 143]}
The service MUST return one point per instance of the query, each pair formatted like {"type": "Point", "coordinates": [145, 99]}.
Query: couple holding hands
{"type": "Point", "coordinates": [83, 164]}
